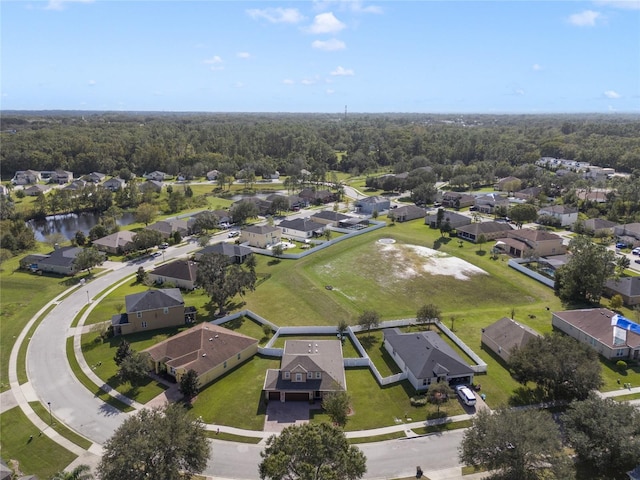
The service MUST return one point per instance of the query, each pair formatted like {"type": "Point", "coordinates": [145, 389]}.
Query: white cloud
{"type": "Point", "coordinates": [536, 67]}
{"type": "Point", "coordinates": [330, 91]}
{"type": "Point", "coordinates": [622, 4]}
{"type": "Point", "coordinates": [61, 4]}
{"type": "Point", "coordinates": [329, 45]}
{"type": "Point", "coordinates": [91, 83]}
{"type": "Point", "coordinates": [325, 23]}
{"type": "Point", "coordinates": [307, 81]}
{"type": "Point", "coordinates": [215, 62]}
{"type": "Point", "coordinates": [611, 94]}
{"type": "Point", "coordinates": [341, 71]}
{"type": "Point", "coordinates": [587, 18]}
{"type": "Point", "coordinates": [518, 91]}
{"type": "Point", "coordinates": [277, 15]}
{"type": "Point", "coordinates": [288, 81]}
{"type": "Point", "coordinates": [355, 6]}
{"type": "Point", "coordinates": [243, 55]}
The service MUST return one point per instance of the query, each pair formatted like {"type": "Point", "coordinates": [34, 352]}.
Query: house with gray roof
{"type": "Point", "coordinates": [455, 219]}
{"type": "Point", "coordinates": [368, 205]}
{"type": "Point", "coordinates": [208, 349]}
{"type": "Point", "coordinates": [490, 230]}
{"type": "Point", "coordinates": [489, 202]}
{"type": "Point", "coordinates": [593, 327]}
{"type": "Point", "coordinates": [151, 186]}
{"type": "Point", "coordinates": [260, 236]}
{"type": "Point", "coordinates": [116, 243]}
{"type": "Point", "coordinates": [301, 229]}
{"type": "Point", "coordinates": [407, 213]}
{"type": "Point", "coordinates": [181, 273]}
{"type": "Point", "coordinates": [562, 213]}
{"type": "Point", "coordinates": [627, 287]}
{"type": "Point", "coordinates": [169, 226]}
{"type": "Point", "coordinates": [426, 358]}
{"type": "Point", "coordinates": [153, 309]}
{"type": "Point", "coordinates": [316, 197]}
{"type": "Point", "coordinates": [599, 226]}
{"type": "Point", "coordinates": [629, 232]}
{"type": "Point", "coordinates": [329, 217]}
{"type": "Point", "coordinates": [94, 177]}
{"type": "Point", "coordinates": [157, 176]}
{"type": "Point", "coordinates": [114, 184]}
{"type": "Point", "coordinates": [60, 261]}
{"type": "Point", "coordinates": [308, 371]}
{"type": "Point", "coordinates": [35, 190]}
{"type": "Point", "coordinates": [236, 253]}
{"type": "Point", "coordinates": [505, 335]}
{"type": "Point", "coordinates": [61, 176]}
{"type": "Point", "coordinates": [457, 200]}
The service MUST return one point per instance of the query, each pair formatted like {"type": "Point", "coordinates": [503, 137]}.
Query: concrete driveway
{"type": "Point", "coordinates": [280, 415]}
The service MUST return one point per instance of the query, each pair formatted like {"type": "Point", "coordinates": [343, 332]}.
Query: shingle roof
{"type": "Point", "coordinates": [374, 200]}
{"type": "Point", "coordinates": [598, 224]}
{"type": "Point", "coordinates": [228, 249]}
{"type": "Point", "coordinates": [507, 334]}
{"type": "Point", "coordinates": [178, 269]}
{"type": "Point", "coordinates": [629, 286]}
{"type": "Point", "coordinates": [484, 227]}
{"type": "Point", "coordinates": [533, 235]}
{"type": "Point", "coordinates": [301, 224]}
{"type": "Point", "coordinates": [425, 353]}
{"type": "Point", "coordinates": [63, 257]}
{"type": "Point", "coordinates": [330, 215]}
{"type": "Point", "coordinates": [261, 229]}
{"type": "Point", "coordinates": [596, 322]}
{"type": "Point", "coordinates": [120, 238]}
{"type": "Point", "coordinates": [153, 300]}
{"type": "Point", "coordinates": [559, 209]}
{"type": "Point", "coordinates": [200, 348]}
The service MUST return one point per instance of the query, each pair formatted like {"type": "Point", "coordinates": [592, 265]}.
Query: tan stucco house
{"type": "Point", "coordinates": [261, 236]}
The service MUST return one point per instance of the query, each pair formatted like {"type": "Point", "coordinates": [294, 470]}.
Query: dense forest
{"type": "Point", "coordinates": [192, 144]}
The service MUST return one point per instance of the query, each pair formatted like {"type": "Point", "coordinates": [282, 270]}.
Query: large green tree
{"type": "Point", "coordinates": [134, 367]}
{"type": "Point", "coordinates": [88, 258]}
{"type": "Point", "coordinates": [146, 213]}
{"type": "Point", "coordinates": [337, 405]}
{"type": "Point", "coordinates": [189, 385]}
{"type": "Point", "coordinates": [605, 435]}
{"type": "Point", "coordinates": [156, 444]}
{"type": "Point", "coordinates": [523, 213]}
{"type": "Point", "coordinates": [314, 451]}
{"type": "Point", "coordinates": [582, 278]}
{"type": "Point", "coordinates": [516, 444]}
{"type": "Point", "coordinates": [244, 210]}
{"type": "Point", "coordinates": [560, 365]}
{"type": "Point", "coordinates": [223, 280]}
{"type": "Point", "coordinates": [146, 239]}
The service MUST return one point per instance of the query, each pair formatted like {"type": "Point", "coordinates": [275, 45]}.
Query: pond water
{"type": "Point", "coordinates": [70, 223]}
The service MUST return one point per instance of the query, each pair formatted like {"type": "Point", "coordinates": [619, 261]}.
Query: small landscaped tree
{"type": "Point", "coordinates": [427, 314]}
{"type": "Point", "coordinates": [616, 302]}
{"type": "Point", "coordinates": [337, 405]}
{"type": "Point", "coordinates": [88, 258]}
{"type": "Point", "coordinates": [277, 250]}
{"type": "Point", "coordinates": [124, 350]}
{"type": "Point", "coordinates": [368, 320]}
{"type": "Point", "coordinates": [189, 385]}
{"type": "Point", "coordinates": [342, 327]}
{"type": "Point", "coordinates": [134, 368]}
{"type": "Point", "coordinates": [438, 393]}
{"type": "Point", "coordinates": [481, 240]}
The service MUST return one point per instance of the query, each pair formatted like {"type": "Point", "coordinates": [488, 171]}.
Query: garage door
{"type": "Point", "coordinates": [274, 395]}
{"type": "Point", "coordinates": [297, 397]}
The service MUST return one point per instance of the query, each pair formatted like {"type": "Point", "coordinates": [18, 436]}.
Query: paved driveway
{"type": "Point", "coordinates": [280, 415]}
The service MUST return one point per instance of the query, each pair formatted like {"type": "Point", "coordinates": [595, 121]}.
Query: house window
{"type": "Point", "coordinates": [298, 377]}
{"type": "Point", "coordinates": [424, 381]}
{"type": "Point", "coordinates": [318, 374]}
{"type": "Point", "coordinates": [287, 375]}
{"type": "Point", "coordinates": [238, 356]}
{"type": "Point", "coordinates": [225, 364]}
{"type": "Point", "coordinates": [165, 310]}
{"type": "Point", "coordinates": [139, 314]}
{"type": "Point", "coordinates": [310, 375]}
{"type": "Point", "coordinates": [143, 324]}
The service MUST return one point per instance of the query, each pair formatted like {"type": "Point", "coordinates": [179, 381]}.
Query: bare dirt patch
{"type": "Point", "coordinates": [410, 261]}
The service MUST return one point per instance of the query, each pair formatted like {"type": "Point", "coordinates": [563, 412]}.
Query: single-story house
{"type": "Point", "coordinates": [212, 175]}
{"type": "Point", "coordinates": [275, 175]}
{"type": "Point", "coordinates": [301, 229]}
{"type": "Point", "coordinates": [353, 223]}
{"type": "Point", "coordinates": [264, 206]}
{"type": "Point", "coordinates": [565, 215]}
{"type": "Point", "coordinates": [595, 196]}
{"type": "Point", "coordinates": [627, 287]}
{"type": "Point", "coordinates": [525, 241]}
{"type": "Point", "coordinates": [151, 186]}
{"type": "Point", "coordinates": [116, 243]}
{"type": "Point", "coordinates": [408, 212]}
{"type": "Point", "coordinates": [599, 226]}
{"type": "Point", "coordinates": [168, 227]}
{"type": "Point", "coordinates": [528, 193]}
{"type": "Point", "coordinates": [457, 200]}
{"type": "Point", "coordinates": [181, 273]}
{"type": "Point", "coordinates": [368, 205]}
{"type": "Point", "coordinates": [309, 369]}
{"type": "Point", "coordinates": [94, 177]}
{"type": "Point", "coordinates": [60, 261]}
{"type": "Point", "coordinates": [504, 183]}
{"type": "Point", "coordinates": [35, 190]}
{"type": "Point", "coordinates": [236, 253]}
{"type": "Point", "coordinates": [157, 176]}
{"type": "Point", "coordinates": [426, 358]}
{"type": "Point", "coordinates": [316, 197]}
{"type": "Point", "coordinates": [490, 230]}
{"type": "Point", "coordinates": [503, 336]}
{"type": "Point", "coordinates": [75, 186]}
{"type": "Point", "coordinates": [489, 202]}
{"type": "Point", "coordinates": [456, 220]}
{"type": "Point", "coordinates": [261, 236]}
{"type": "Point", "coordinates": [26, 177]}
{"type": "Point", "coordinates": [208, 349]}
{"type": "Point", "coordinates": [114, 184]}
{"type": "Point", "coordinates": [153, 309]}
{"type": "Point", "coordinates": [328, 217]}
{"type": "Point", "coordinates": [593, 326]}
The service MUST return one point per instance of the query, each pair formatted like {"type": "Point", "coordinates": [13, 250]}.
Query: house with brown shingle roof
{"type": "Point", "coordinates": [503, 336]}
{"type": "Point", "coordinates": [116, 243]}
{"type": "Point", "coordinates": [455, 219]}
{"type": "Point", "coordinates": [490, 230]}
{"type": "Point", "coordinates": [208, 349]}
{"type": "Point", "coordinates": [408, 212]}
{"type": "Point", "coordinates": [592, 326]}
{"type": "Point", "coordinates": [599, 226]}
{"type": "Point", "coordinates": [181, 273]}
{"type": "Point", "coordinates": [309, 370]}
{"type": "Point", "coordinates": [522, 242]}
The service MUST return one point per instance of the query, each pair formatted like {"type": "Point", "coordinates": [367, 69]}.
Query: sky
{"type": "Point", "coordinates": [321, 56]}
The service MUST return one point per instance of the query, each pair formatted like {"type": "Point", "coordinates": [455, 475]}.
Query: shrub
{"type": "Point", "coordinates": [419, 401]}
{"type": "Point", "coordinates": [622, 365]}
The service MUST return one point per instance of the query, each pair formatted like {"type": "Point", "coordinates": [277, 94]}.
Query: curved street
{"type": "Point", "coordinates": [52, 382]}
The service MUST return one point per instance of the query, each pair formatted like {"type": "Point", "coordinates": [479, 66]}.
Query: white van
{"type": "Point", "coordinates": [466, 395]}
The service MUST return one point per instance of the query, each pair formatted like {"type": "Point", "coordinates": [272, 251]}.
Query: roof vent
{"type": "Point", "coordinates": [211, 339]}
{"type": "Point", "coordinates": [204, 354]}
{"type": "Point", "coordinates": [217, 335]}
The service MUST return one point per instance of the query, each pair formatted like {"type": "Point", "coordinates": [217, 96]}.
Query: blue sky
{"type": "Point", "coordinates": [320, 56]}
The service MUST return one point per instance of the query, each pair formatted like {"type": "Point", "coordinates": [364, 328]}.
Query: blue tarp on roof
{"type": "Point", "coordinates": [625, 324]}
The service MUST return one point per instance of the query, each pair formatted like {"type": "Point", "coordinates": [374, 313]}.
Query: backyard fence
{"type": "Point", "coordinates": [518, 264]}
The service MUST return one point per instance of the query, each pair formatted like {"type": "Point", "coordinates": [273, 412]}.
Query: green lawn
{"type": "Point", "coordinates": [38, 455]}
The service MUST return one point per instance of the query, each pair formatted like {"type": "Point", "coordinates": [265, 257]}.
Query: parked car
{"type": "Point", "coordinates": [466, 395]}
{"type": "Point", "coordinates": [621, 245]}
{"type": "Point", "coordinates": [234, 233]}
{"type": "Point", "coordinates": [163, 245]}
{"type": "Point", "coordinates": [637, 260]}
{"type": "Point", "coordinates": [636, 251]}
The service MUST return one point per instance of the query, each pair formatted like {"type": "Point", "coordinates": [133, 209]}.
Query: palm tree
{"type": "Point", "coordinates": [81, 472]}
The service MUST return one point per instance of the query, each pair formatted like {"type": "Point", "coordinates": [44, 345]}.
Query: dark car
{"type": "Point", "coordinates": [637, 260]}
{"type": "Point", "coordinates": [621, 245]}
